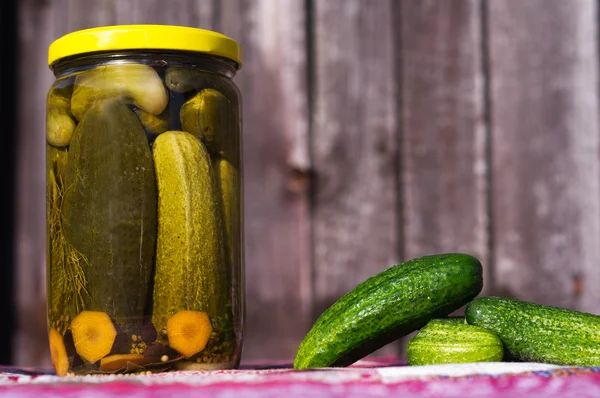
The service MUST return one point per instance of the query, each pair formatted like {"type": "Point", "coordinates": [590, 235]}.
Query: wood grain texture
{"type": "Point", "coordinates": [544, 97]}
{"type": "Point", "coordinates": [88, 14]}
{"type": "Point", "coordinates": [35, 29]}
{"type": "Point", "coordinates": [443, 132]}
{"type": "Point", "coordinates": [195, 13]}
{"type": "Point", "coordinates": [276, 161]}
{"type": "Point", "coordinates": [354, 146]}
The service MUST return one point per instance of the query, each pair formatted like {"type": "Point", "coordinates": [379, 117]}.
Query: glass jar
{"type": "Point", "coordinates": [144, 201]}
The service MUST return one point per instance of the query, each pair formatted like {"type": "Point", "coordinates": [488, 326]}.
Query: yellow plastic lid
{"type": "Point", "coordinates": [144, 37]}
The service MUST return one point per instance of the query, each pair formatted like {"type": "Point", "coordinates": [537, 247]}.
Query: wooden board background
{"type": "Point", "coordinates": [374, 131]}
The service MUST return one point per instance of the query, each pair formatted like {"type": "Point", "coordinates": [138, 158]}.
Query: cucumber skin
{"type": "Point", "coordinates": [190, 256]}
{"type": "Point", "coordinates": [444, 341]}
{"type": "Point", "coordinates": [539, 333]}
{"type": "Point", "coordinates": [389, 305]}
{"type": "Point", "coordinates": [110, 209]}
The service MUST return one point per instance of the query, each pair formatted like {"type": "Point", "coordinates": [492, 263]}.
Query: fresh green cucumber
{"type": "Point", "coordinates": [539, 333]}
{"type": "Point", "coordinates": [453, 341]}
{"type": "Point", "coordinates": [389, 305]}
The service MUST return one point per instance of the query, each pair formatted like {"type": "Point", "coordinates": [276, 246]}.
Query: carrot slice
{"type": "Point", "coordinates": [58, 353]}
{"type": "Point", "coordinates": [188, 332]}
{"type": "Point", "coordinates": [93, 335]}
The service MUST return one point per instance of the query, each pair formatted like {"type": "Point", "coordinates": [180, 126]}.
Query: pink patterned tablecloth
{"type": "Point", "coordinates": [378, 377]}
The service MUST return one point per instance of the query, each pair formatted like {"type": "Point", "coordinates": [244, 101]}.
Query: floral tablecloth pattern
{"type": "Point", "coordinates": [376, 377]}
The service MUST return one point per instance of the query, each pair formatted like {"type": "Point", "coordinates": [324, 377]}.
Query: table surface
{"type": "Point", "coordinates": [374, 377]}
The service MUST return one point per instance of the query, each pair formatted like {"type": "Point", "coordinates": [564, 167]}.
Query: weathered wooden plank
{"type": "Point", "coordinates": [353, 145]}
{"type": "Point", "coordinates": [443, 132]}
{"type": "Point", "coordinates": [195, 13]}
{"type": "Point", "coordinates": [86, 14]}
{"type": "Point", "coordinates": [274, 89]}
{"type": "Point", "coordinates": [544, 101]}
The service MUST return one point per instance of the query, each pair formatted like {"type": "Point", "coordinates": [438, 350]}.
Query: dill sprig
{"type": "Point", "coordinates": [67, 277]}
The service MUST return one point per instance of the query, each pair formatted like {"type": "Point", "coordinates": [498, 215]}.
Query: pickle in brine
{"type": "Point", "coordinates": [131, 83]}
{"type": "Point", "coordinates": [181, 79]}
{"type": "Point", "coordinates": [59, 123]}
{"type": "Point", "coordinates": [228, 183]}
{"type": "Point", "coordinates": [154, 124]}
{"type": "Point", "coordinates": [110, 209]}
{"type": "Point", "coordinates": [190, 251]}
{"type": "Point", "coordinates": [229, 190]}
{"type": "Point", "coordinates": [208, 115]}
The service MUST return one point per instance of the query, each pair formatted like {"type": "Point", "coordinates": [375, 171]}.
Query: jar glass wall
{"type": "Point", "coordinates": [144, 213]}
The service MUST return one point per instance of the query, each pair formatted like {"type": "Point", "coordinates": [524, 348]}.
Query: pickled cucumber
{"type": "Point", "coordinates": [228, 185]}
{"type": "Point", "coordinates": [154, 124]}
{"type": "Point", "coordinates": [190, 249]}
{"type": "Point", "coordinates": [135, 84]}
{"type": "Point", "coordinates": [184, 79]}
{"type": "Point", "coordinates": [181, 79]}
{"type": "Point", "coordinates": [209, 116]}
{"type": "Point", "coordinates": [59, 124]}
{"type": "Point", "coordinates": [110, 209]}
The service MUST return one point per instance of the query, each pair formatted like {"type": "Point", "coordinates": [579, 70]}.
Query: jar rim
{"type": "Point", "coordinates": [144, 37]}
